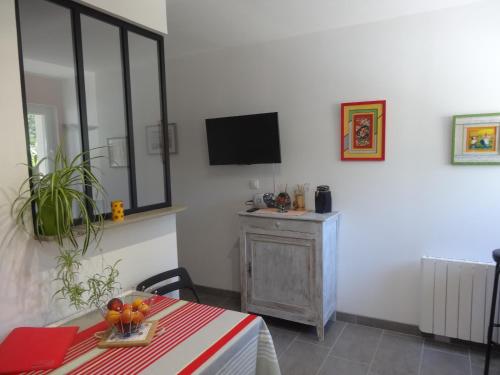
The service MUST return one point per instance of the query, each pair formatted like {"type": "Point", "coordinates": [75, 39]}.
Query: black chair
{"type": "Point", "coordinates": [490, 344]}
{"type": "Point", "coordinates": [184, 282]}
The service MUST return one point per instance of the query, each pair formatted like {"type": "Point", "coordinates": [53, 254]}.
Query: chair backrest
{"type": "Point", "coordinates": [183, 282]}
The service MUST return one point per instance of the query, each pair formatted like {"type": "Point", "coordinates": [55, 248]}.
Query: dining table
{"type": "Point", "coordinates": [190, 338]}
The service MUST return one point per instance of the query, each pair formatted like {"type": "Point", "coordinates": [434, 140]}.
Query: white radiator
{"type": "Point", "coordinates": [456, 298]}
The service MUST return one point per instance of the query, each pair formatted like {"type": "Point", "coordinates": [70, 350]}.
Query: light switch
{"type": "Point", "coordinates": [255, 184]}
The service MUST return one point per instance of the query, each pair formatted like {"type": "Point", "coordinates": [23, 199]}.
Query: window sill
{"type": "Point", "coordinates": [129, 219]}
{"type": "Point", "coordinates": [142, 216]}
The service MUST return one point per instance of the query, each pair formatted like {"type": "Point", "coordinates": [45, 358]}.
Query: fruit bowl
{"type": "Point", "coordinates": [126, 314]}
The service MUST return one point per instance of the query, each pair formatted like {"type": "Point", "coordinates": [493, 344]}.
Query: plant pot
{"type": "Point", "coordinates": [48, 226]}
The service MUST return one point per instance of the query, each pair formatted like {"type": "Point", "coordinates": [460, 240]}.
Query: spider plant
{"type": "Point", "coordinates": [55, 195]}
{"type": "Point", "coordinates": [99, 287]}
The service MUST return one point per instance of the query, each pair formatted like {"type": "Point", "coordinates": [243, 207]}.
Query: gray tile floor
{"type": "Point", "coordinates": [352, 349]}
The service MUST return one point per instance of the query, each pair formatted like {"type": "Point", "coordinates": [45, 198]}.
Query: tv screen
{"type": "Point", "coordinates": [250, 139]}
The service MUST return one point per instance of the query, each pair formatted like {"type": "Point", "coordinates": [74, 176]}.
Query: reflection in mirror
{"type": "Point", "coordinates": [50, 82]}
{"type": "Point", "coordinates": [49, 73]}
{"type": "Point", "coordinates": [147, 116]}
{"type": "Point", "coordinates": [105, 108]}
{"type": "Point", "coordinates": [43, 133]}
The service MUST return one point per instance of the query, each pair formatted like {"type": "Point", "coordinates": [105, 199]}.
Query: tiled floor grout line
{"type": "Point", "coordinates": [376, 351]}
{"type": "Point", "coordinates": [470, 363]}
{"type": "Point", "coordinates": [427, 344]}
{"type": "Point", "coordinates": [331, 349]}
{"type": "Point", "coordinates": [421, 360]}
{"type": "Point", "coordinates": [289, 345]}
{"type": "Point", "coordinates": [312, 343]}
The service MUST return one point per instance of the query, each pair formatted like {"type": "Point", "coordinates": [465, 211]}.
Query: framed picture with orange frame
{"type": "Point", "coordinates": [475, 139]}
{"type": "Point", "coordinates": [363, 131]}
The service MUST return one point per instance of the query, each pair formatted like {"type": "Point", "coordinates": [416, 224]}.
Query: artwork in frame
{"type": "Point", "coordinates": [117, 152]}
{"type": "Point", "coordinates": [363, 131]}
{"type": "Point", "coordinates": [475, 139]}
{"type": "Point", "coordinates": [154, 139]}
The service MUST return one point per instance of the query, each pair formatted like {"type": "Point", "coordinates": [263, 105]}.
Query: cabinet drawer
{"type": "Point", "coordinates": [283, 224]}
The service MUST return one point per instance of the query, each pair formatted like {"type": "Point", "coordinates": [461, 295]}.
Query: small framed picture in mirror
{"type": "Point", "coordinates": [154, 139]}
{"type": "Point", "coordinates": [117, 151]}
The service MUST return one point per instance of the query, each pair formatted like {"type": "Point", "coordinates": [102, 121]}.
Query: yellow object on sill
{"type": "Point", "coordinates": [117, 211]}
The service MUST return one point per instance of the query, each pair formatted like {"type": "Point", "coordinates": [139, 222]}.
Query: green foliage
{"type": "Point", "coordinates": [68, 265]}
{"type": "Point", "coordinates": [54, 195]}
{"type": "Point", "coordinates": [57, 192]}
{"type": "Point", "coordinates": [98, 288]}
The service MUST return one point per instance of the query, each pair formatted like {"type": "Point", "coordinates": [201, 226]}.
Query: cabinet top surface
{"type": "Point", "coordinates": [308, 216]}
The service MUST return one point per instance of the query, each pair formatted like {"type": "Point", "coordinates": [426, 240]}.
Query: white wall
{"type": "Point", "coordinates": [428, 67]}
{"type": "Point", "coordinates": [26, 266]}
{"type": "Point", "coordinates": [151, 14]}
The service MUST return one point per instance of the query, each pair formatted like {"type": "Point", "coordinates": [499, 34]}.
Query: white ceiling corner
{"type": "Point", "coordinates": [201, 25]}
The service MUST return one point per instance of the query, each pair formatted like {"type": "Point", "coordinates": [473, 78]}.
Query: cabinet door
{"type": "Point", "coordinates": [281, 273]}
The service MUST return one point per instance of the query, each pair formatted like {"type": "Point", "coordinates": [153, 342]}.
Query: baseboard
{"type": "Point", "coordinates": [217, 292]}
{"type": "Point", "coordinates": [379, 323]}
{"type": "Point", "coordinates": [345, 317]}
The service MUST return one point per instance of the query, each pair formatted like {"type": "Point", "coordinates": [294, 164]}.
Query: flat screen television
{"type": "Point", "coordinates": [250, 139]}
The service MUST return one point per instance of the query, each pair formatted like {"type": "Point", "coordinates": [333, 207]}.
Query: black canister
{"type": "Point", "coordinates": [323, 199]}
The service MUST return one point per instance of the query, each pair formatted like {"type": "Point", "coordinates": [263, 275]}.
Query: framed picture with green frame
{"type": "Point", "coordinates": [475, 139]}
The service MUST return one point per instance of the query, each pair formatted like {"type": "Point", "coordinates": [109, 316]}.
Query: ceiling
{"type": "Point", "coordinates": [200, 25]}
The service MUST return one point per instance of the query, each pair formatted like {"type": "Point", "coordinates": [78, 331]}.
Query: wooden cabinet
{"type": "Point", "coordinates": [288, 266]}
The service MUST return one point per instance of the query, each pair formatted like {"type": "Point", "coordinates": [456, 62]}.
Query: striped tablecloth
{"type": "Point", "coordinates": [191, 339]}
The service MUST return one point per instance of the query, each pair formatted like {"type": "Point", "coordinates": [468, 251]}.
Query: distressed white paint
{"type": "Point", "coordinates": [289, 266]}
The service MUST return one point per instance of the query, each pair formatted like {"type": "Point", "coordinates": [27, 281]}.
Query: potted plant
{"type": "Point", "coordinates": [52, 198]}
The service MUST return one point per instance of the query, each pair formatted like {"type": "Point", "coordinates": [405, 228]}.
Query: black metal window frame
{"type": "Point", "coordinates": [76, 11]}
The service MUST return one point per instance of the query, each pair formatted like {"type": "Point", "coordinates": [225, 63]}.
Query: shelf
{"type": "Point", "coordinates": [142, 216]}
{"type": "Point", "coordinates": [129, 219]}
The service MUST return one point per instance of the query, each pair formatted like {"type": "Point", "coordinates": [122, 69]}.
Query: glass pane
{"type": "Point", "coordinates": [146, 110]}
{"type": "Point", "coordinates": [50, 82]}
{"type": "Point", "coordinates": [104, 91]}
{"type": "Point", "coordinates": [49, 72]}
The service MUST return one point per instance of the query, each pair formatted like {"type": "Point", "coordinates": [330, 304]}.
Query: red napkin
{"type": "Point", "coordinates": [35, 348]}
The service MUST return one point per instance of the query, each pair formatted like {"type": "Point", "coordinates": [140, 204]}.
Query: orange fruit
{"type": "Point", "coordinates": [137, 302]}
{"type": "Point", "coordinates": [126, 316]}
{"type": "Point", "coordinates": [144, 308]}
{"type": "Point", "coordinates": [113, 317]}
{"type": "Point", "coordinates": [137, 317]}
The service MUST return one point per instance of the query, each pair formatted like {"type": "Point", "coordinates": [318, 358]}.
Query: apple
{"type": "Point", "coordinates": [137, 302]}
{"type": "Point", "coordinates": [144, 308]}
{"type": "Point", "coordinates": [126, 316]}
{"type": "Point", "coordinates": [115, 304]}
{"type": "Point", "coordinates": [137, 317]}
{"type": "Point", "coordinates": [127, 306]}
{"type": "Point", "coordinates": [113, 317]}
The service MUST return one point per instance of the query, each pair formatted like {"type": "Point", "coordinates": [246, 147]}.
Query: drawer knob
{"type": "Point", "coordinates": [277, 224]}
